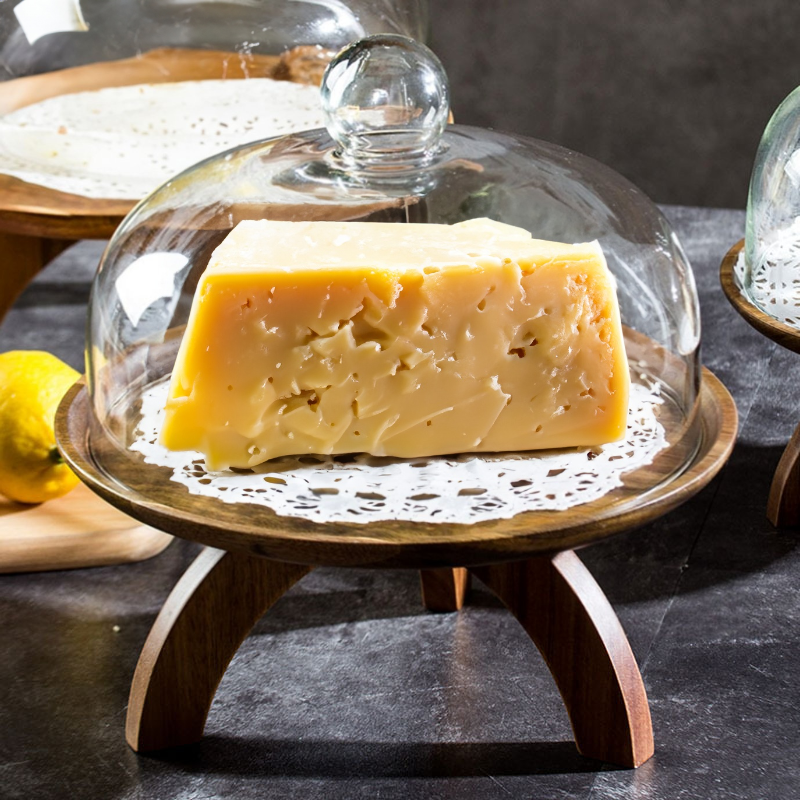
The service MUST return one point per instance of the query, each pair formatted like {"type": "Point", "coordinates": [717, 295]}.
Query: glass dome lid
{"type": "Point", "coordinates": [769, 274]}
{"type": "Point", "coordinates": [389, 155]}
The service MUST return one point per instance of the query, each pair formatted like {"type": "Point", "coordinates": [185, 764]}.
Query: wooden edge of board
{"type": "Point", "coordinates": [74, 531]}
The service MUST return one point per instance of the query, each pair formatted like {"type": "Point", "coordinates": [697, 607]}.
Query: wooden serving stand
{"type": "Point", "coordinates": [783, 504]}
{"type": "Point", "coordinates": [37, 223]}
{"type": "Point", "coordinates": [255, 556]}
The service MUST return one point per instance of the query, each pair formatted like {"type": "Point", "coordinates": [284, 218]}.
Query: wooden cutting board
{"type": "Point", "coordinates": [77, 530]}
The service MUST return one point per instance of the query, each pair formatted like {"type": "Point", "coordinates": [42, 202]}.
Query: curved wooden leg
{"type": "Point", "coordinates": [21, 257]}
{"type": "Point", "coordinates": [201, 626]}
{"type": "Point", "coordinates": [572, 623]}
{"type": "Point", "coordinates": [444, 589]}
{"type": "Point", "coordinates": [783, 506]}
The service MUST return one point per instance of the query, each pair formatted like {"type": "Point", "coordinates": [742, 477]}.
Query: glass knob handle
{"type": "Point", "coordinates": [386, 101]}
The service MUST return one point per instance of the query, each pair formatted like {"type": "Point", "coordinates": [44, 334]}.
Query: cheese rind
{"type": "Point", "coordinates": [397, 340]}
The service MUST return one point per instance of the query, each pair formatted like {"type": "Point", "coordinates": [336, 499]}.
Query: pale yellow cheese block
{"type": "Point", "coordinates": [397, 340]}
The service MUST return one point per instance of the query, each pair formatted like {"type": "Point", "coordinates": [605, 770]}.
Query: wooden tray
{"type": "Point", "coordinates": [77, 530]}
{"type": "Point", "coordinates": [35, 210]}
{"type": "Point", "coordinates": [146, 493]}
{"type": "Point", "coordinates": [783, 503]}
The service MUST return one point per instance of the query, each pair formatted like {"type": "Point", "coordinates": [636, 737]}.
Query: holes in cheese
{"type": "Point", "coordinates": [397, 340]}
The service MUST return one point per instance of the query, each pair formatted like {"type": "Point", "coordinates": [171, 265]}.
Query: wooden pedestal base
{"type": "Point", "coordinates": [559, 605]}
{"type": "Point", "coordinates": [783, 504]}
{"type": "Point", "coordinates": [555, 599]}
{"type": "Point", "coordinates": [21, 258]}
{"type": "Point", "coordinates": [444, 589]}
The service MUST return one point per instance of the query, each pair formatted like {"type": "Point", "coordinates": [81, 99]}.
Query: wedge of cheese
{"type": "Point", "coordinates": [397, 340]}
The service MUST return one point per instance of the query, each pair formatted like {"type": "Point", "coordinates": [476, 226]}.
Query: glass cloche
{"type": "Point", "coordinates": [388, 154]}
{"type": "Point", "coordinates": [106, 99]}
{"type": "Point", "coordinates": [770, 271]}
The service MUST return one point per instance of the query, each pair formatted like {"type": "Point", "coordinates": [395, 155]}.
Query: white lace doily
{"type": "Point", "coordinates": [775, 277]}
{"type": "Point", "coordinates": [122, 142]}
{"type": "Point", "coordinates": [461, 489]}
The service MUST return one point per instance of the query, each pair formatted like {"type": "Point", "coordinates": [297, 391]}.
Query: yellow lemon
{"type": "Point", "coordinates": [32, 384]}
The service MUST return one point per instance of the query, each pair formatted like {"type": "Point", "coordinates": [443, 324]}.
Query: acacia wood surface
{"type": "Point", "coordinates": [783, 503]}
{"type": "Point", "coordinates": [32, 210]}
{"type": "Point", "coordinates": [146, 492]}
{"type": "Point", "coordinates": [198, 631]}
{"type": "Point", "coordinates": [444, 589]}
{"type": "Point", "coordinates": [566, 614]}
{"type": "Point", "coordinates": [77, 530]}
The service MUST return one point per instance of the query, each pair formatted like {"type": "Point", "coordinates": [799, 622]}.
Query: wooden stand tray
{"type": "Point", "coordinates": [783, 504]}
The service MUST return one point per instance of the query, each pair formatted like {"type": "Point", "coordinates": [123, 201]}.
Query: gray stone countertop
{"type": "Point", "coordinates": [349, 689]}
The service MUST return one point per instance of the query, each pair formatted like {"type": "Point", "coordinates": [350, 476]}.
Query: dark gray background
{"type": "Point", "coordinates": [674, 94]}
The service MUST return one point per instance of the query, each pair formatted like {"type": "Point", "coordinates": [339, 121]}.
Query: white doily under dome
{"type": "Point", "coordinates": [388, 155]}
{"type": "Point", "coordinates": [458, 489]}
